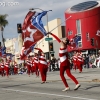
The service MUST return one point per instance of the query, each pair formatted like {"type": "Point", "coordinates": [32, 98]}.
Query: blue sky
{"type": "Point", "coordinates": [17, 9]}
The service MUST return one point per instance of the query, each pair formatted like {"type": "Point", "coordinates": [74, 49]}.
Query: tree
{"type": "Point", "coordinates": [3, 23]}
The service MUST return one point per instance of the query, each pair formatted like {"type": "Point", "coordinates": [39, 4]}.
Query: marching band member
{"type": "Point", "coordinates": [79, 61]}
{"type": "Point", "coordinates": [36, 64]}
{"type": "Point", "coordinates": [32, 67]}
{"type": "Point", "coordinates": [28, 64]}
{"type": "Point", "coordinates": [65, 64]}
{"type": "Point", "coordinates": [43, 68]}
{"type": "Point", "coordinates": [7, 68]}
{"type": "Point", "coordinates": [15, 68]}
{"type": "Point", "coordinates": [2, 68]}
{"type": "Point", "coordinates": [74, 60]}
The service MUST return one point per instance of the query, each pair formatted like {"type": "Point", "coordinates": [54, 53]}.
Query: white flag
{"type": "Point", "coordinates": [98, 33]}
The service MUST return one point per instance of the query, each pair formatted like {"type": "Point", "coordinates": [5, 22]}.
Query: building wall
{"type": "Point", "coordinates": [10, 48]}
{"type": "Point", "coordinates": [89, 23]}
{"type": "Point", "coordinates": [20, 42]}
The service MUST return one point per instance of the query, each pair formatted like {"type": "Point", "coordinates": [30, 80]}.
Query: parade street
{"type": "Point", "coordinates": [22, 87]}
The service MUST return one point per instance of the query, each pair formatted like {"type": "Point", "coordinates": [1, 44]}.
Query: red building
{"type": "Point", "coordinates": [84, 21]}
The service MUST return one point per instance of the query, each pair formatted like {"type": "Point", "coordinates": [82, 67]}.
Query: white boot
{"type": "Point", "coordinates": [66, 89]}
{"type": "Point", "coordinates": [77, 86]}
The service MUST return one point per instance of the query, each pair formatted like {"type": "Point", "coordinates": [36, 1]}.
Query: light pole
{"type": "Point", "coordinates": [47, 26]}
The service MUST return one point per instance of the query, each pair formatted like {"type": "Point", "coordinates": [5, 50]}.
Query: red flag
{"type": "Point", "coordinates": [31, 36]}
{"type": "Point", "coordinates": [24, 53]}
{"type": "Point", "coordinates": [26, 22]}
{"type": "Point", "coordinates": [27, 19]}
{"type": "Point", "coordinates": [33, 28]}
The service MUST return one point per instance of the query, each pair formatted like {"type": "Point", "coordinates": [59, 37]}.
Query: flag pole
{"type": "Point", "coordinates": [60, 24]}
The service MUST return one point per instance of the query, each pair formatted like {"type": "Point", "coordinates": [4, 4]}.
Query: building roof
{"type": "Point", "coordinates": [84, 6]}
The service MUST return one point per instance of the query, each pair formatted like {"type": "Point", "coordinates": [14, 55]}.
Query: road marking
{"type": "Point", "coordinates": [81, 98]}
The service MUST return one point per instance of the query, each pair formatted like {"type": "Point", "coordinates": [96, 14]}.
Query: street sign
{"type": "Point", "coordinates": [48, 39]}
{"type": "Point", "coordinates": [52, 52]}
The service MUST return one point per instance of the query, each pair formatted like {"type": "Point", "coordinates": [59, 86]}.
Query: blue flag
{"type": "Point", "coordinates": [76, 39]}
{"type": "Point", "coordinates": [37, 22]}
{"type": "Point", "coordinates": [3, 51]}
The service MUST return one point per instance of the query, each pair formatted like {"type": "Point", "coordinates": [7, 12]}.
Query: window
{"type": "Point", "coordinates": [63, 31]}
{"type": "Point", "coordinates": [92, 41]}
{"type": "Point", "coordinates": [78, 26]}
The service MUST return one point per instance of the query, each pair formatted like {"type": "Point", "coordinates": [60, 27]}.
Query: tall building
{"type": "Point", "coordinates": [84, 21]}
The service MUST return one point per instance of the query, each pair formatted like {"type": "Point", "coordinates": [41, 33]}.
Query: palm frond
{"type": "Point", "coordinates": [3, 21]}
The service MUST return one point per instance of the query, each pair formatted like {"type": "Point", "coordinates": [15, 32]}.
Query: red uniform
{"type": "Point", "coordinates": [15, 68]}
{"type": "Point", "coordinates": [79, 62]}
{"type": "Point", "coordinates": [65, 66]}
{"type": "Point", "coordinates": [43, 67]}
{"type": "Point", "coordinates": [36, 65]}
{"type": "Point", "coordinates": [2, 69]}
{"type": "Point", "coordinates": [74, 60]}
{"type": "Point", "coordinates": [28, 62]}
{"type": "Point", "coordinates": [32, 67]}
{"type": "Point", "coordinates": [7, 68]}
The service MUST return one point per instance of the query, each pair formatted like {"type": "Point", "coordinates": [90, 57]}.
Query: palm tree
{"type": "Point", "coordinates": [3, 23]}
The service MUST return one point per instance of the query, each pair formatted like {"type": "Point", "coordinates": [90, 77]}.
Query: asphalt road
{"type": "Point", "coordinates": [22, 87]}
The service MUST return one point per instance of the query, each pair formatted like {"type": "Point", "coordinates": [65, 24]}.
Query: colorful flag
{"type": "Point", "coordinates": [74, 41]}
{"type": "Point", "coordinates": [34, 30]}
{"type": "Point", "coordinates": [3, 52]}
{"type": "Point", "coordinates": [77, 38]}
{"type": "Point", "coordinates": [27, 19]}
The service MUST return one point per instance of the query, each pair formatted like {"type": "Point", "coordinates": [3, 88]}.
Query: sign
{"type": "Point", "coordinates": [48, 39]}
{"type": "Point", "coordinates": [52, 52]}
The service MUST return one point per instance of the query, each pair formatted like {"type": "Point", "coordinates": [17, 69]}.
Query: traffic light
{"type": "Point", "coordinates": [92, 41]}
{"type": "Point", "coordinates": [51, 46]}
{"type": "Point", "coordinates": [19, 28]}
{"type": "Point", "coordinates": [0, 44]}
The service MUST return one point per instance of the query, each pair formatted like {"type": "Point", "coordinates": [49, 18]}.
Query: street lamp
{"type": "Point", "coordinates": [47, 25]}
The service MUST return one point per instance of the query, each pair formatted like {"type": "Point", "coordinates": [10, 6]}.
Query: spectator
{"type": "Point", "coordinates": [87, 61]}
